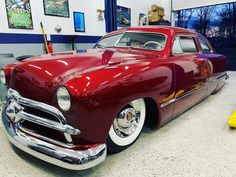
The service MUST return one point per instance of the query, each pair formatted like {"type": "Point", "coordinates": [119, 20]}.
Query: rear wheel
{"type": "Point", "coordinates": [127, 126]}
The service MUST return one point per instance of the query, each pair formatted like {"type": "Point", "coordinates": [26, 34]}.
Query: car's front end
{"type": "Point", "coordinates": [34, 117]}
{"type": "Point", "coordinates": [42, 131]}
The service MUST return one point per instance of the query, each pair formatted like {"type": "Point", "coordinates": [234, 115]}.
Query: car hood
{"type": "Point", "coordinates": [42, 74]}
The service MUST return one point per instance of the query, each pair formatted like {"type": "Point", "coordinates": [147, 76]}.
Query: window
{"type": "Point", "coordinates": [184, 44]}
{"type": "Point", "coordinates": [205, 46]}
{"type": "Point", "coordinates": [177, 49]}
{"type": "Point", "coordinates": [142, 40]}
{"type": "Point", "coordinates": [149, 41]}
{"type": "Point", "coordinates": [188, 45]}
{"type": "Point", "coordinates": [108, 41]}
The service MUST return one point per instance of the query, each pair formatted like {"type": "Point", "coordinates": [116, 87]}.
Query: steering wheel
{"type": "Point", "coordinates": [149, 44]}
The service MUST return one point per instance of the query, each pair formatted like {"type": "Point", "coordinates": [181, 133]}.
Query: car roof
{"type": "Point", "coordinates": [171, 29]}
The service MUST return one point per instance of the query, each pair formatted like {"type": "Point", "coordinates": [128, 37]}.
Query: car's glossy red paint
{"type": "Point", "coordinates": [102, 81]}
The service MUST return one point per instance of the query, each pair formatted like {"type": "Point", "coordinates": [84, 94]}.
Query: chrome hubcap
{"type": "Point", "coordinates": [127, 121]}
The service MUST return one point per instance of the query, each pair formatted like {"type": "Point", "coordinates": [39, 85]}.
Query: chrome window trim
{"type": "Point", "coordinates": [185, 53]}
{"type": "Point", "coordinates": [166, 37]}
{"type": "Point", "coordinates": [208, 44]}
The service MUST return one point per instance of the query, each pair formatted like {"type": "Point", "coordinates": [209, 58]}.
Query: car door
{"type": "Point", "coordinates": [218, 62]}
{"type": "Point", "coordinates": [192, 73]}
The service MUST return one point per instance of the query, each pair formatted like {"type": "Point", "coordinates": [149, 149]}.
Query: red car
{"type": "Point", "coordinates": [69, 108]}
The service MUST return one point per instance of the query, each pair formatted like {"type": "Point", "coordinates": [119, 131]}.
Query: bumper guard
{"type": "Point", "coordinates": [63, 157]}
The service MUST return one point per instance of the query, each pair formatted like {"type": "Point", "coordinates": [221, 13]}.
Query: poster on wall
{"type": "Point", "coordinates": [19, 14]}
{"type": "Point", "coordinates": [79, 22]}
{"type": "Point", "coordinates": [123, 17]}
{"type": "Point", "coordinates": [142, 20]}
{"type": "Point", "coordinates": [100, 15]}
{"type": "Point", "coordinates": [58, 8]}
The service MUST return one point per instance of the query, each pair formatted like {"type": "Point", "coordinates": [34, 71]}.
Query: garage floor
{"type": "Point", "coordinates": [197, 143]}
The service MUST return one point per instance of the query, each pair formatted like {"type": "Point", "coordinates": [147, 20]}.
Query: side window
{"type": "Point", "coordinates": [177, 49]}
{"type": "Point", "coordinates": [205, 46]}
{"type": "Point", "coordinates": [188, 44]}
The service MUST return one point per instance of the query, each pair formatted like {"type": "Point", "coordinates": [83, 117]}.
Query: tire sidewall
{"type": "Point", "coordinates": [119, 143]}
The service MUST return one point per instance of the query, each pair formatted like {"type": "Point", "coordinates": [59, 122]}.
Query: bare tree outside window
{"type": "Point", "coordinates": [217, 23]}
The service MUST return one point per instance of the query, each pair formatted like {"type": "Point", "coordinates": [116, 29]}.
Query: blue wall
{"type": "Point", "coordinates": [10, 38]}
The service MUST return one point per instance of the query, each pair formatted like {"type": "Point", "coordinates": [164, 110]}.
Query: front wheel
{"type": "Point", "coordinates": [127, 126]}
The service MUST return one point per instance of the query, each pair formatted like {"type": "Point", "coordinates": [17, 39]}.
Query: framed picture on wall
{"type": "Point", "coordinates": [79, 22]}
{"type": "Point", "coordinates": [19, 14]}
{"type": "Point", "coordinates": [142, 21]}
{"type": "Point", "coordinates": [123, 17]}
{"type": "Point", "coordinates": [58, 8]}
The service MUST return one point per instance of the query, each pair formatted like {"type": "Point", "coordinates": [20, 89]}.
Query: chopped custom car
{"type": "Point", "coordinates": [70, 108]}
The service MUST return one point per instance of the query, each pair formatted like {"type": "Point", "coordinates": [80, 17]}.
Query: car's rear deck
{"type": "Point", "coordinates": [197, 143]}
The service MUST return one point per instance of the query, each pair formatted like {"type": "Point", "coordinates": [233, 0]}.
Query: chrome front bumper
{"type": "Point", "coordinates": [63, 157]}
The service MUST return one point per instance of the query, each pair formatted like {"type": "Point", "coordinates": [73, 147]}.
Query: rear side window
{"type": "Point", "coordinates": [177, 49]}
{"type": "Point", "coordinates": [205, 46]}
{"type": "Point", "coordinates": [188, 44]}
{"type": "Point", "coordinates": [184, 44]}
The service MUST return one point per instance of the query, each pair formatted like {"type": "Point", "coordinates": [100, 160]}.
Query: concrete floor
{"type": "Point", "coordinates": [197, 143]}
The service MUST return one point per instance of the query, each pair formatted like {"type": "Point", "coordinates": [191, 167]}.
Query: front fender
{"type": "Point", "coordinates": [97, 97]}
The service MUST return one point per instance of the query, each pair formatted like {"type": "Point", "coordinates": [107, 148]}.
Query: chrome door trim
{"type": "Point", "coordinates": [182, 96]}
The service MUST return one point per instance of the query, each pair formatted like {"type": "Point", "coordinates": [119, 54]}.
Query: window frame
{"type": "Point", "coordinates": [185, 53]}
{"type": "Point", "coordinates": [124, 32]}
{"type": "Point", "coordinates": [111, 35]}
{"type": "Point", "coordinates": [207, 42]}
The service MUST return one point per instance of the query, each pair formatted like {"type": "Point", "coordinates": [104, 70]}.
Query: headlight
{"type": "Point", "coordinates": [63, 98]}
{"type": "Point", "coordinates": [2, 77]}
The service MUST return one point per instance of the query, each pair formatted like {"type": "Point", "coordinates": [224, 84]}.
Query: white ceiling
{"type": "Point", "coordinates": [183, 4]}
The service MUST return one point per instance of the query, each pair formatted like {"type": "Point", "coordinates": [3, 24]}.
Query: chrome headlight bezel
{"type": "Point", "coordinates": [63, 98]}
{"type": "Point", "coordinates": [2, 77]}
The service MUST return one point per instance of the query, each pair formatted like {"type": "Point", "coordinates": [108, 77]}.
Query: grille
{"type": "Point", "coordinates": [41, 113]}
{"type": "Point", "coordinates": [39, 119]}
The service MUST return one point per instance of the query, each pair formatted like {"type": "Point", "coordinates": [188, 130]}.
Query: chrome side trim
{"type": "Point", "coordinates": [182, 96]}
{"type": "Point", "coordinates": [60, 156]}
{"type": "Point", "coordinates": [168, 103]}
{"type": "Point", "coordinates": [188, 93]}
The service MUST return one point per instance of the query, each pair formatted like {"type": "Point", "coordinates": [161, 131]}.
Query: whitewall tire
{"type": "Point", "coordinates": [127, 126]}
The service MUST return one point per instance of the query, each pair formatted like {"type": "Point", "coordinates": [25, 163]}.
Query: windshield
{"type": "Point", "coordinates": [150, 41]}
